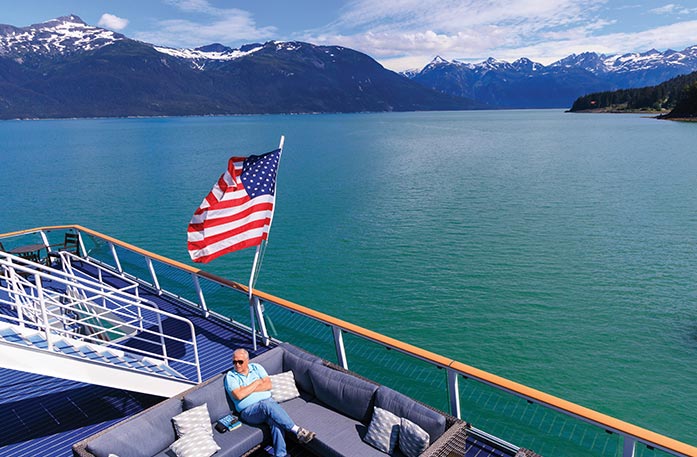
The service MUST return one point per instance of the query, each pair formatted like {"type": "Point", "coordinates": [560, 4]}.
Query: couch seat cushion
{"type": "Point", "coordinates": [336, 434]}
{"type": "Point", "coordinates": [237, 442]}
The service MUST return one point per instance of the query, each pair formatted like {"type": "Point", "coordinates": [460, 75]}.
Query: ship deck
{"type": "Point", "coordinates": [42, 415]}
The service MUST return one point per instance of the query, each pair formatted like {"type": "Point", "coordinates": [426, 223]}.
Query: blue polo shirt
{"type": "Point", "coordinates": [235, 380]}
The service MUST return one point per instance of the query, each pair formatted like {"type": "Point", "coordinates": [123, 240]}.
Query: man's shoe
{"type": "Point", "coordinates": [304, 435]}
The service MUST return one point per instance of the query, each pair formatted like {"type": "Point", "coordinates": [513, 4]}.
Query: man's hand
{"type": "Point", "coordinates": [259, 385]}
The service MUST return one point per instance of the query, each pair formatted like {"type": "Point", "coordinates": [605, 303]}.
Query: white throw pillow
{"type": "Point", "coordinates": [413, 440]}
{"type": "Point", "coordinates": [283, 386]}
{"type": "Point", "coordinates": [193, 420]}
{"type": "Point", "coordinates": [195, 444]}
{"type": "Point", "coordinates": [383, 431]}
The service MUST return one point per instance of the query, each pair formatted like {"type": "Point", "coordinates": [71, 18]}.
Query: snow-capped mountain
{"type": "Point", "coordinates": [527, 84]}
{"type": "Point", "coordinates": [66, 68]}
{"type": "Point", "coordinates": [215, 51]}
{"type": "Point", "coordinates": [62, 36]}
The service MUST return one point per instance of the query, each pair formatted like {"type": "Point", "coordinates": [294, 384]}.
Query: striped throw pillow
{"type": "Point", "coordinates": [383, 431]}
{"type": "Point", "coordinates": [413, 440]}
{"type": "Point", "coordinates": [193, 420]}
{"type": "Point", "coordinates": [283, 386]}
{"type": "Point", "coordinates": [195, 444]}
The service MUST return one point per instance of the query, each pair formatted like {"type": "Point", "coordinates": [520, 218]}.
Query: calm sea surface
{"type": "Point", "coordinates": [554, 249]}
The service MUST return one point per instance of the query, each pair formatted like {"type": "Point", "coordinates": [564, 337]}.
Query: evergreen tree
{"type": "Point", "coordinates": [686, 107]}
{"type": "Point", "coordinates": [665, 96]}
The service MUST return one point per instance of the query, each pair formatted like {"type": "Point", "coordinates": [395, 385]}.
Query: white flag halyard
{"type": "Point", "coordinates": [238, 211]}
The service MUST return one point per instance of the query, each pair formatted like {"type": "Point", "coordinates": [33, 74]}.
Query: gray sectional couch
{"type": "Point", "coordinates": [337, 405]}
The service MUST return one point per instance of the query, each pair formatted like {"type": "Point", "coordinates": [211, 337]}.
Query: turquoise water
{"type": "Point", "coordinates": [554, 249]}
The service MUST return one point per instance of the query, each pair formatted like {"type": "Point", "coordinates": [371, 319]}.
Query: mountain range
{"type": "Point", "coordinates": [67, 68]}
{"type": "Point", "coordinates": [527, 84]}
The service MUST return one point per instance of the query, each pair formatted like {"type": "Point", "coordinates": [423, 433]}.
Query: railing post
{"type": "Point", "coordinates": [454, 393]}
{"type": "Point", "coordinates": [19, 303]}
{"type": "Point", "coordinates": [116, 257]}
{"type": "Point", "coordinates": [44, 314]}
{"type": "Point", "coordinates": [629, 446]}
{"type": "Point", "coordinates": [44, 238]}
{"type": "Point", "coordinates": [155, 282]}
{"type": "Point", "coordinates": [199, 291]}
{"type": "Point", "coordinates": [83, 251]}
{"type": "Point", "coordinates": [259, 309]}
{"type": "Point", "coordinates": [339, 345]}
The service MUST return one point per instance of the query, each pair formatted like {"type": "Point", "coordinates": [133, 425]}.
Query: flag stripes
{"type": "Point", "coordinates": [238, 211]}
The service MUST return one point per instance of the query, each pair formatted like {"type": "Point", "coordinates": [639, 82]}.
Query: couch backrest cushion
{"type": "Point", "coordinates": [145, 434]}
{"type": "Point", "coordinates": [213, 393]}
{"type": "Point", "coordinates": [303, 354]}
{"type": "Point", "coordinates": [343, 392]}
{"type": "Point", "coordinates": [287, 357]}
{"type": "Point", "coordinates": [403, 406]}
{"type": "Point", "coordinates": [272, 360]}
{"type": "Point", "coordinates": [300, 367]}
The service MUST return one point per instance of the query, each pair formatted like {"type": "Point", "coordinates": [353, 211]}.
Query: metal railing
{"type": "Point", "coordinates": [63, 303]}
{"type": "Point", "coordinates": [620, 437]}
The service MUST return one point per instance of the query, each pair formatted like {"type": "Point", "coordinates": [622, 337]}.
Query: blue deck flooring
{"type": "Point", "coordinates": [44, 416]}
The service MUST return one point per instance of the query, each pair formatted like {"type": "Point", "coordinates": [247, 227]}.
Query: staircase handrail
{"type": "Point", "coordinates": [32, 295]}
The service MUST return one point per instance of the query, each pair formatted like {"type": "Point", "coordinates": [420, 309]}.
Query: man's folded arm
{"type": "Point", "coordinates": [259, 385]}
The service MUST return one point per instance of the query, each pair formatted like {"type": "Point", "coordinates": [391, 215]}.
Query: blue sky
{"type": "Point", "coordinates": [400, 34]}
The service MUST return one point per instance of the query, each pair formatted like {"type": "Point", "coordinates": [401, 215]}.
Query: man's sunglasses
{"type": "Point", "coordinates": [238, 362]}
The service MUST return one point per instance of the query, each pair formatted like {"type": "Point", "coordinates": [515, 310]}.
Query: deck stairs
{"type": "Point", "coordinates": [57, 321]}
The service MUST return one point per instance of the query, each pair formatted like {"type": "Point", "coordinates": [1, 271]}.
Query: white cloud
{"type": "Point", "coordinates": [195, 6]}
{"type": "Point", "coordinates": [666, 9]}
{"type": "Point", "coordinates": [673, 9]}
{"type": "Point", "coordinates": [665, 37]}
{"type": "Point", "coordinates": [452, 16]}
{"type": "Point", "coordinates": [112, 22]}
{"type": "Point", "coordinates": [405, 34]}
{"type": "Point", "coordinates": [225, 25]}
{"type": "Point", "coordinates": [392, 31]}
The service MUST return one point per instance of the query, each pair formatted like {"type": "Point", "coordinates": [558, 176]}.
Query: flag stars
{"type": "Point", "coordinates": [259, 174]}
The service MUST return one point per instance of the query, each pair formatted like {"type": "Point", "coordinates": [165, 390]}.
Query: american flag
{"type": "Point", "coordinates": [237, 213]}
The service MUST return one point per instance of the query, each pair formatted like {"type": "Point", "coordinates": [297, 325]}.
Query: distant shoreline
{"type": "Point", "coordinates": [621, 111]}
{"type": "Point", "coordinates": [656, 114]}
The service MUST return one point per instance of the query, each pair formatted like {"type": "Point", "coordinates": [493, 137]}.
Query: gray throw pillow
{"type": "Point", "coordinates": [383, 431]}
{"type": "Point", "coordinates": [193, 420]}
{"type": "Point", "coordinates": [283, 386]}
{"type": "Point", "coordinates": [413, 440]}
{"type": "Point", "coordinates": [195, 444]}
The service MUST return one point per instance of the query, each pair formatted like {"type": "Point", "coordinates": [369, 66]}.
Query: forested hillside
{"type": "Point", "coordinates": [686, 107]}
{"type": "Point", "coordinates": [663, 97]}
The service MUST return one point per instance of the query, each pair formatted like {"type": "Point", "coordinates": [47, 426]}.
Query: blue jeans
{"type": "Point", "coordinates": [269, 412]}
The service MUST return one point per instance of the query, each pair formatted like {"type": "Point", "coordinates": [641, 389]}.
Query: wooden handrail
{"type": "Point", "coordinates": [578, 411]}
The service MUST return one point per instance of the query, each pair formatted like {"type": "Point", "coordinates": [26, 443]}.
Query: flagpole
{"type": "Point", "coordinates": [254, 303]}
{"type": "Point", "coordinates": [252, 298]}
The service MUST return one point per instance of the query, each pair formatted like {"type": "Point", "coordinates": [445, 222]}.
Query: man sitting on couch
{"type": "Point", "coordinates": [249, 387]}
